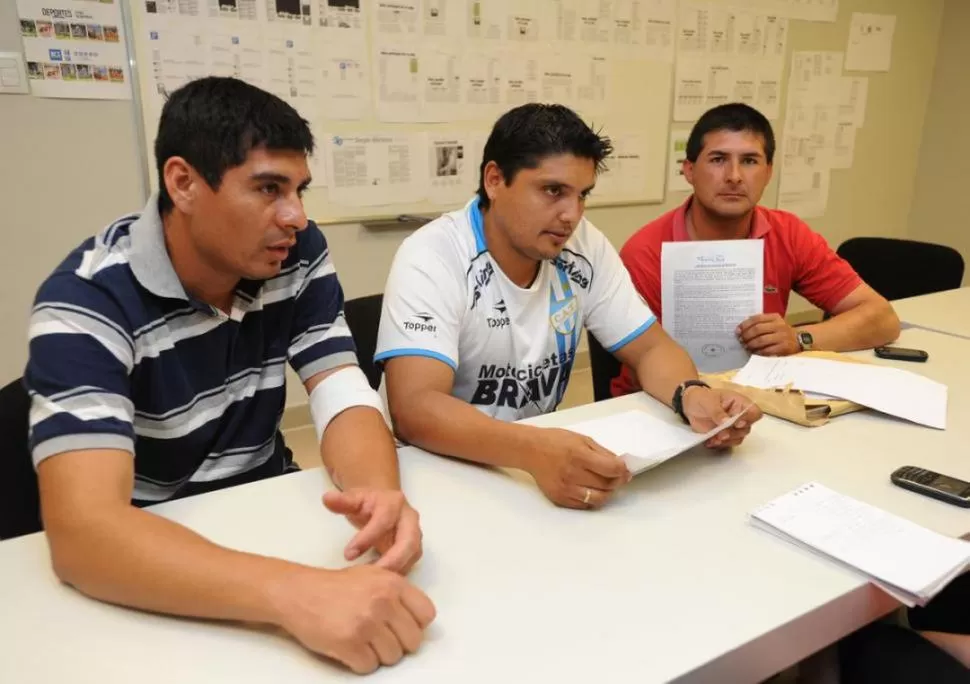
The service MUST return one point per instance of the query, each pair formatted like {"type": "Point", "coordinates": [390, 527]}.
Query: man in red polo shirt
{"type": "Point", "coordinates": [729, 163]}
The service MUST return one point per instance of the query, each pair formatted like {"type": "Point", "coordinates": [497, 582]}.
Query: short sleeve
{"type": "Point", "coordinates": [320, 338]}
{"type": "Point", "coordinates": [81, 355]}
{"type": "Point", "coordinates": [821, 276]}
{"type": "Point", "coordinates": [423, 302]}
{"type": "Point", "coordinates": [617, 315]}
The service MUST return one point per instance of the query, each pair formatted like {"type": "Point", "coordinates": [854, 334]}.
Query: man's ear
{"type": "Point", "coordinates": [492, 178]}
{"type": "Point", "coordinates": [688, 168]}
{"type": "Point", "coordinates": [182, 183]}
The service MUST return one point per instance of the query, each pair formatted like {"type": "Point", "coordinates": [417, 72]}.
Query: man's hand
{"type": "Point", "coordinates": [362, 616]}
{"type": "Point", "coordinates": [386, 523]}
{"type": "Point", "coordinates": [707, 408]}
{"type": "Point", "coordinates": [768, 335]}
{"type": "Point", "coordinates": [574, 471]}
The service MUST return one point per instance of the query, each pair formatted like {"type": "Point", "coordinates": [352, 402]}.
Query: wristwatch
{"type": "Point", "coordinates": [805, 340]}
{"type": "Point", "coordinates": [678, 400]}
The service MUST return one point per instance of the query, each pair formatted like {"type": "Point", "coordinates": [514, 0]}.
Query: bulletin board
{"type": "Point", "coordinates": [401, 94]}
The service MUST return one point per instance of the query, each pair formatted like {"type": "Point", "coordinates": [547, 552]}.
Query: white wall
{"type": "Point", "coordinates": [943, 176]}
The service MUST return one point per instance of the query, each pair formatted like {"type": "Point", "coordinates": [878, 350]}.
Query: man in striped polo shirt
{"type": "Point", "coordinates": [156, 371]}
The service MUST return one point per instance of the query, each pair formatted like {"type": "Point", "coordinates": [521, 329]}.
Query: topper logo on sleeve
{"type": "Point", "coordinates": [421, 322]}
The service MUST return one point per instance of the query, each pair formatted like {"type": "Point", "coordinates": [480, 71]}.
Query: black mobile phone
{"type": "Point", "coordinates": [901, 354]}
{"type": "Point", "coordinates": [929, 483]}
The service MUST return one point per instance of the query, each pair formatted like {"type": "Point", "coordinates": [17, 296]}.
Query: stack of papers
{"type": "Point", "coordinates": [897, 392]}
{"type": "Point", "coordinates": [642, 441]}
{"type": "Point", "coordinates": [909, 562]}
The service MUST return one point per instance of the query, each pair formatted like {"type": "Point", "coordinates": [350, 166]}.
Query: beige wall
{"type": "Point", "coordinates": [943, 175]}
{"type": "Point", "coordinates": [71, 166]}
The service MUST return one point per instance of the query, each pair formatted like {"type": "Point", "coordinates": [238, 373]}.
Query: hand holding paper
{"type": "Point", "coordinates": [642, 441]}
{"type": "Point", "coordinates": [721, 412]}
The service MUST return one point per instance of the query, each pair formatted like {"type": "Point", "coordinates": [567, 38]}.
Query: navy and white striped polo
{"type": "Point", "coordinates": [121, 357]}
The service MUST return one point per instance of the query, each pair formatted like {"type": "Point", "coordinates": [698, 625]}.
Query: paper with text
{"type": "Point", "coordinates": [870, 42]}
{"type": "Point", "coordinates": [910, 562]}
{"type": "Point", "coordinates": [708, 288]}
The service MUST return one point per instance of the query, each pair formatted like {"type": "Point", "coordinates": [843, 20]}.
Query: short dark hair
{"type": "Point", "coordinates": [214, 122]}
{"type": "Point", "coordinates": [524, 136]}
{"type": "Point", "coordinates": [730, 117]}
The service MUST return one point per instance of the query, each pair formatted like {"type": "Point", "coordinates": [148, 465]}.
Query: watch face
{"type": "Point", "coordinates": [805, 339]}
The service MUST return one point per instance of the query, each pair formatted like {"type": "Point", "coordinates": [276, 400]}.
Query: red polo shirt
{"type": "Point", "coordinates": [796, 258]}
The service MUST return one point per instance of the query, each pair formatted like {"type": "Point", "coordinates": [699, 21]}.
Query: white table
{"type": "Point", "coordinates": [668, 582]}
{"type": "Point", "coordinates": [947, 312]}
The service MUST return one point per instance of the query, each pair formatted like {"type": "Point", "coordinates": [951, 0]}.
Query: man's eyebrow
{"type": "Point", "coordinates": [270, 176]}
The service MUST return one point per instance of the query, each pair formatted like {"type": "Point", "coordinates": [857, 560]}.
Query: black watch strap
{"type": "Point", "coordinates": [678, 401]}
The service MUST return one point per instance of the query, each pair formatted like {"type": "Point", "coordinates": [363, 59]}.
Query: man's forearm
{"type": "Point", "coordinates": [358, 450]}
{"type": "Point", "coordinates": [870, 325]}
{"type": "Point", "coordinates": [663, 368]}
{"type": "Point", "coordinates": [438, 422]}
{"type": "Point", "coordinates": [135, 558]}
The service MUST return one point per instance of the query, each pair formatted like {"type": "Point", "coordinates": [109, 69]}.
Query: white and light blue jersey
{"type": "Point", "coordinates": [512, 348]}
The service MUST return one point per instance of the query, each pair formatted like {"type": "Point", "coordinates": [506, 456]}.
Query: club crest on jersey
{"type": "Point", "coordinates": [564, 315]}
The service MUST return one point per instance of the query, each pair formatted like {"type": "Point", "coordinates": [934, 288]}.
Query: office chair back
{"type": "Point", "coordinates": [363, 317]}
{"type": "Point", "coordinates": [897, 269]}
{"type": "Point", "coordinates": [604, 367]}
{"type": "Point", "coordinates": [19, 499]}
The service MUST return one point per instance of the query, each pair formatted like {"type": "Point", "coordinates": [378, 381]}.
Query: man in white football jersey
{"type": "Point", "coordinates": [484, 306]}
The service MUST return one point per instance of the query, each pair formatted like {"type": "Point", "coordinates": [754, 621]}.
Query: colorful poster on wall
{"type": "Point", "coordinates": [75, 49]}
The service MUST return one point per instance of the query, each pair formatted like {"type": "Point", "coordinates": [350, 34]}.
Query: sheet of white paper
{"type": "Point", "coordinates": [690, 87]}
{"type": "Point", "coordinates": [178, 55]}
{"type": "Point", "coordinates": [525, 21]}
{"type": "Point", "coordinates": [625, 177]}
{"type": "Point", "coordinates": [676, 155]}
{"type": "Point", "coordinates": [899, 393]}
{"type": "Point", "coordinates": [399, 83]}
{"type": "Point", "coordinates": [592, 84]}
{"type": "Point", "coordinates": [485, 19]}
{"type": "Point", "coordinates": [708, 289]}
{"type": "Point", "coordinates": [441, 18]}
{"type": "Point", "coordinates": [397, 18]}
{"type": "Point", "coordinates": [440, 72]}
{"type": "Point", "coordinates": [482, 87]}
{"type": "Point", "coordinates": [342, 19]}
{"type": "Point", "coordinates": [283, 12]}
{"type": "Point", "coordinates": [768, 97]}
{"type": "Point", "coordinates": [74, 49]}
{"type": "Point", "coordinates": [853, 93]}
{"type": "Point", "coordinates": [693, 29]}
{"type": "Point", "coordinates": [452, 170]}
{"type": "Point", "coordinates": [659, 19]}
{"type": "Point", "coordinates": [593, 21]}
{"type": "Point", "coordinates": [870, 42]}
{"type": "Point", "coordinates": [292, 71]}
{"type": "Point", "coordinates": [375, 169]}
{"type": "Point", "coordinates": [344, 80]}
{"type": "Point", "coordinates": [520, 79]}
{"type": "Point", "coordinates": [880, 545]}
{"type": "Point", "coordinates": [558, 78]}
{"type": "Point", "coordinates": [843, 150]}
{"type": "Point", "coordinates": [241, 51]}
{"type": "Point", "coordinates": [563, 15]}
{"type": "Point", "coordinates": [804, 192]}
{"type": "Point", "coordinates": [13, 75]}
{"type": "Point", "coordinates": [642, 441]}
